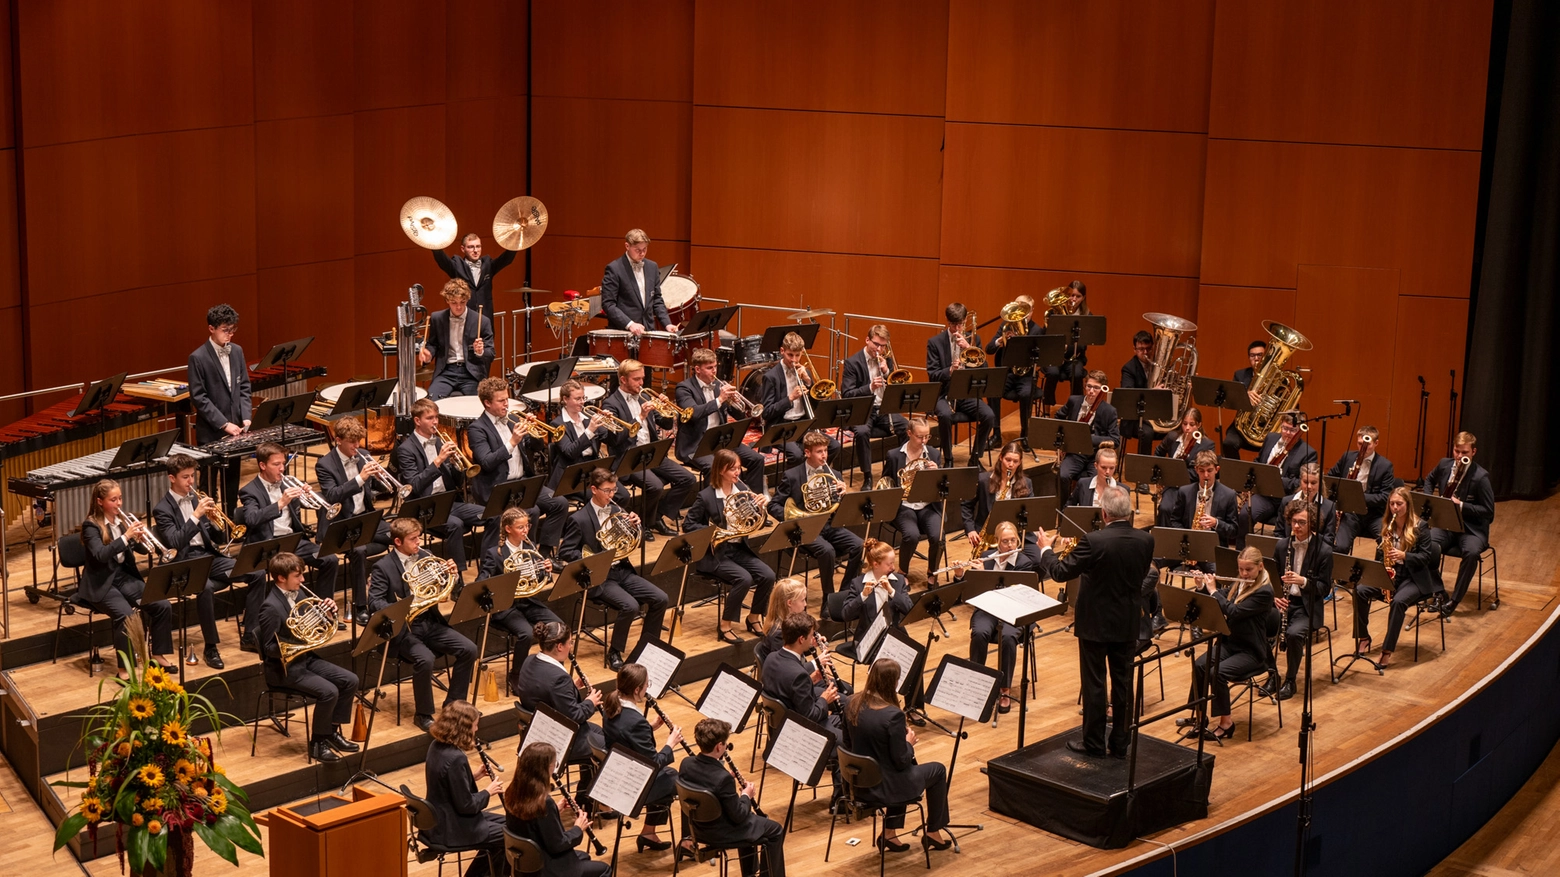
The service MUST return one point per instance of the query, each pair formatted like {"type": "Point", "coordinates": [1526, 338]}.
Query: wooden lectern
{"type": "Point", "coordinates": [338, 837]}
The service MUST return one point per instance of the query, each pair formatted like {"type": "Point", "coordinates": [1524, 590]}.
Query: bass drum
{"type": "Point", "coordinates": [752, 384]}
{"type": "Point", "coordinates": [681, 295]}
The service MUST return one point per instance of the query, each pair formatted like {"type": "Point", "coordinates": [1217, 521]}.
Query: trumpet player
{"type": "Point", "coordinates": [1019, 384]}
{"type": "Point", "coordinates": [734, 561]}
{"type": "Point", "coordinates": [916, 520]}
{"type": "Point", "coordinates": [1187, 441]}
{"type": "Point", "coordinates": [427, 464]}
{"type": "Point", "coordinates": [520, 619]}
{"type": "Point", "coordinates": [352, 478]}
{"type": "Point", "coordinates": [499, 448]}
{"type": "Point", "coordinates": [713, 402]}
{"type": "Point", "coordinates": [624, 590]}
{"type": "Point", "coordinates": [183, 519]}
{"type": "Point", "coordinates": [1288, 450]}
{"type": "Point", "coordinates": [459, 344]}
{"type": "Point", "coordinates": [583, 434]}
{"type": "Point", "coordinates": [1467, 485]}
{"type": "Point", "coordinates": [1092, 408]}
{"type": "Point", "coordinates": [269, 508]}
{"type": "Point", "coordinates": [834, 542]}
{"type": "Point", "coordinates": [308, 673]}
{"type": "Point", "coordinates": [1307, 565]}
{"type": "Point", "coordinates": [111, 582]}
{"type": "Point", "coordinates": [1205, 504]}
{"type": "Point", "coordinates": [662, 489]}
{"type": "Point", "coordinates": [866, 374]}
{"type": "Point", "coordinates": [786, 388]}
{"type": "Point", "coordinates": [1374, 472]}
{"type": "Point", "coordinates": [942, 357]}
{"type": "Point", "coordinates": [986, 628]}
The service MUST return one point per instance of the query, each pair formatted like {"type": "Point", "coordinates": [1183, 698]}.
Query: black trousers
{"type": "Point", "coordinates": [1093, 660]}
{"type": "Point", "coordinates": [1467, 546]}
{"type": "Point", "coordinates": [831, 544]}
{"type": "Point", "coordinates": [626, 592]}
{"type": "Point", "coordinates": [451, 381]}
{"type": "Point", "coordinates": [1407, 594]}
{"type": "Point", "coordinates": [985, 629]}
{"type": "Point", "coordinates": [1352, 526]}
{"type": "Point", "coordinates": [933, 780]}
{"type": "Point", "coordinates": [1020, 389]}
{"type": "Point", "coordinates": [357, 562]}
{"type": "Point", "coordinates": [1233, 666]}
{"type": "Point", "coordinates": [743, 571]}
{"type": "Point", "coordinates": [1072, 371]}
{"type": "Point", "coordinates": [519, 621]}
{"type": "Point", "coordinates": [1296, 633]}
{"type": "Point", "coordinates": [123, 599]}
{"type": "Point", "coordinates": [662, 490]}
{"type": "Point", "coordinates": [421, 646]}
{"type": "Point", "coordinates": [974, 411]}
{"type": "Point", "coordinates": [1073, 468]}
{"type": "Point", "coordinates": [877, 426]}
{"type": "Point", "coordinates": [758, 832]}
{"type": "Point", "coordinates": [206, 600]}
{"type": "Point", "coordinates": [464, 516]}
{"type": "Point", "coordinates": [330, 685]}
{"type": "Point", "coordinates": [915, 525]}
{"type": "Point", "coordinates": [1234, 443]}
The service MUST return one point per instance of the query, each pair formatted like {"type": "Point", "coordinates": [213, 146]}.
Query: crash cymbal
{"type": "Point", "coordinates": [813, 314]}
{"type": "Point", "coordinates": [520, 223]}
{"type": "Point", "coordinates": [428, 222]}
{"type": "Point", "coordinates": [529, 289]}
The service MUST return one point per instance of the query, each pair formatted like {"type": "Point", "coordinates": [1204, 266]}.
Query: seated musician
{"type": "Point", "coordinates": [1004, 480]}
{"type": "Point", "coordinates": [1205, 504]}
{"type": "Point", "coordinates": [1469, 487]}
{"type": "Point", "coordinates": [454, 794]}
{"type": "Point", "coordinates": [1374, 472]}
{"type": "Point", "coordinates": [1087, 493]}
{"type": "Point", "coordinates": [520, 619]}
{"type": "Point", "coordinates": [184, 524]}
{"type": "Point", "coordinates": [351, 477]}
{"type": "Point", "coordinates": [624, 589]}
{"type": "Point", "coordinates": [426, 463]}
{"type": "Point", "coordinates": [943, 352]}
{"type": "Point", "coordinates": [474, 269]}
{"type": "Point", "coordinates": [1245, 652]}
{"type": "Point", "coordinates": [881, 589]}
{"type": "Point", "coordinates": [788, 597]}
{"type": "Point", "coordinates": [834, 542]}
{"type": "Point", "coordinates": [269, 508]}
{"type": "Point", "coordinates": [429, 635]}
{"type": "Point", "coordinates": [803, 689]}
{"type": "Point", "coordinates": [738, 824]}
{"type": "Point", "coordinates": [1019, 384]}
{"type": "Point", "coordinates": [111, 582]}
{"type": "Point", "coordinates": [916, 520]}
{"type": "Point", "coordinates": [459, 344]}
{"type": "Point", "coordinates": [713, 402]}
{"type": "Point", "coordinates": [1413, 561]}
{"type": "Point", "coordinates": [1134, 376]}
{"type": "Point", "coordinates": [986, 628]}
{"type": "Point", "coordinates": [786, 388]}
{"type": "Point", "coordinates": [624, 723]}
{"type": "Point", "coordinates": [1074, 367]}
{"type": "Point", "coordinates": [1187, 442]}
{"type": "Point", "coordinates": [531, 813]}
{"type": "Point", "coordinates": [545, 678]}
{"type": "Point", "coordinates": [1091, 408]}
{"type": "Point", "coordinates": [876, 727]}
{"type": "Point", "coordinates": [663, 488]}
{"type": "Point", "coordinates": [1310, 491]}
{"type": "Point", "coordinates": [733, 561]}
{"type": "Point", "coordinates": [866, 374]}
{"type": "Point", "coordinates": [1288, 450]}
{"type": "Point", "coordinates": [631, 289]}
{"type": "Point", "coordinates": [219, 389]}
{"type": "Point", "coordinates": [1307, 580]}
{"type": "Point", "coordinates": [1256, 352]}
{"type": "Point", "coordinates": [500, 451]}
{"type": "Point", "coordinates": [332, 687]}
{"type": "Point", "coordinates": [583, 435]}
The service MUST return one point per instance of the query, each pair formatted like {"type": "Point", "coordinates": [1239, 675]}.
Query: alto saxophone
{"type": "Point", "coordinates": [1204, 494]}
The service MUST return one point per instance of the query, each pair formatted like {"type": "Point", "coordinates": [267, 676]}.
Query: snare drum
{"type": "Point", "coordinates": [611, 342]}
{"type": "Point", "coordinates": [681, 295]}
{"type": "Point", "coordinates": [660, 350]}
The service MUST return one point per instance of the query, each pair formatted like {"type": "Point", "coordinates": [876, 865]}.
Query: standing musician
{"type": "Point", "coordinates": [111, 582]}
{"type": "Point", "coordinates": [712, 403]}
{"type": "Point", "coordinates": [833, 542]}
{"type": "Point", "coordinates": [1246, 604]}
{"type": "Point", "coordinates": [624, 723]}
{"type": "Point", "coordinates": [916, 520]}
{"type": "Point", "coordinates": [866, 374]}
{"type": "Point", "coordinates": [1374, 472]}
{"type": "Point", "coordinates": [788, 597]}
{"type": "Point", "coordinates": [459, 802]}
{"type": "Point", "coordinates": [1467, 485]}
{"type": "Point", "coordinates": [582, 437]}
{"type": "Point", "coordinates": [459, 344]}
{"type": "Point", "coordinates": [219, 388]}
{"type": "Point", "coordinates": [663, 488]}
{"type": "Point", "coordinates": [1134, 376]}
{"type": "Point", "coordinates": [1093, 409]}
{"type": "Point", "coordinates": [1413, 561]}
{"type": "Point", "coordinates": [353, 478]}
{"type": "Point", "coordinates": [545, 678]}
{"type": "Point", "coordinates": [331, 687]}
{"type": "Point", "coordinates": [624, 590]}
{"type": "Point", "coordinates": [269, 509]}
{"type": "Point", "coordinates": [631, 289]}
{"type": "Point", "coordinates": [520, 619]}
{"type": "Point", "coordinates": [1113, 562]}
{"type": "Point", "coordinates": [876, 727]}
{"type": "Point", "coordinates": [1307, 580]}
{"type": "Point", "coordinates": [429, 635]}
{"type": "Point", "coordinates": [1256, 352]}
{"type": "Point", "coordinates": [475, 270]}
{"type": "Point", "coordinates": [734, 561]}
{"type": "Point", "coordinates": [1288, 450]}
{"type": "Point", "coordinates": [1018, 386]}
{"type": "Point", "coordinates": [1205, 504]}
{"type": "Point", "coordinates": [986, 628]}
{"type": "Point", "coordinates": [882, 588]}
{"type": "Point", "coordinates": [786, 388]}
{"type": "Point", "coordinates": [425, 462]}
{"type": "Point", "coordinates": [1310, 491]}
{"type": "Point", "coordinates": [1087, 493]}
{"type": "Point", "coordinates": [500, 450]}
{"type": "Point", "coordinates": [942, 359]}
{"type": "Point", "coordinates": [1072, 369]}
{"type": "Point", "coordinates": [184, 524]}
{"type": "Point", "coordinates": [738, 824]}
{"type": "Point", "coordinates": [1004, 480]}
{"type": "Point", "coordinates": [1187, 442]}
{"type": "Point", "coordinates": [531, 813]}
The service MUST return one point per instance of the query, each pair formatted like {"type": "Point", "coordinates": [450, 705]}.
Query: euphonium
{"type": "Point", "coordinates": [820, 495]}
{"type": "Point", "coordinates": [534, 574]}
{"type": "Point", "coordinates": [313, 622]}
{"type": "Point", "coordinates": [619, 535]}
{"type": "Point", "coordinates": [1173, 364]}
{"type": "Point", "coordinates": [1278, 390]}
{"type": "Point", "coordinates": [745, 513]}
{"type": "Point", "coordinates": [431, 580]}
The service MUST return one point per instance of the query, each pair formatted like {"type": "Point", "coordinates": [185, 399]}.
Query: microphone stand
{"type": "Point", "coordinates": [1451, 415]}
{"type": "Point", "coordinates": [1419, 441]}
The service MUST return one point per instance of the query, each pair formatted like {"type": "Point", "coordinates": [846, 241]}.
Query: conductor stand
{"type": "Point", "coordinates": [98, 397]}
{"type": "Point", "coordinates": [638, 459]}
{"type": "Point", "coordinates": [343, 535]}
{"type": "Point", "coordinates": [383, 626]}
{"type": "Point", "coordinates": [1223, 395]}
{"type": "Point", "coordinates": [684, 551]}
{"type": "Point", "coordinates": [176, 581]}
{"type": "Point", "coordinates": [1014, 597]}
{"type": "Point", "coordinates": [936, 485]}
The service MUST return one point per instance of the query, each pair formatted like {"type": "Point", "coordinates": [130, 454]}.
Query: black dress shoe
{"type": "Point", "coordinates": [729, 636]}
{"type": "Point", "coordinates": [892, 846]}
{"type": "Point", "coordinates": [340, 743]}
{"type": "Point", "coordinates": [915, 718]}
{"type": "Point", "coordinates": [423, 723]}
{"type": "Point", "coordinates": [246, 643]}
{"type": "Point", "coordinates": [1287, 691]}
{"type": "Point", "coordinates": [756, 628]}
{"type": "Point", "coordinates": [1078, 747]}
{"type": "Point", "coordinates": [214, 658]}
{"type": "Point", "coordinates": [645, 843]}
{"type": "Point", "coordinates": [664, 528]}
{"type": "Point", "coordinates": [1119, 756]}
{"type": "Point", "coordinates": [649, 535]}
{"type": "Point", "coordinates": [1005, 704]}
{"type": "Point", "coordinates": [615, 660]}
{"type": "Point", "coordinates": [319, 750]}
{"type": "Point", "coordinates": [360, 615]}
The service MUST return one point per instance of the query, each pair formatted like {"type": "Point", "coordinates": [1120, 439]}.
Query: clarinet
{"type": "Point", "coordinates": [737, 775]}
{"type": "Point", "coordinates": [595, 843]}
{"type": "Point", "coordinates": [493, 767]}
{"type": "Point", "coordinates": [578, 672]}
{"type": "Point", "coordinates": [838, 705]}
{"type": "Point", "coordinates": [655, 705]}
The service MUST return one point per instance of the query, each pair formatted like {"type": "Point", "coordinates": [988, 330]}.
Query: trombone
{"type": "Point", "coordinates": [613, 424]}
{"type": "Point", "coordinates": [460, 454]}
{"type": "Point", "coordinates": [311, 498]}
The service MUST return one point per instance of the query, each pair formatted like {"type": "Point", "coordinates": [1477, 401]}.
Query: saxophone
{"type": "Point", "coordinates": [1204, 494]}
{"type": "Point", "coordinates": [313, 621]}
{"type": "Point", "coordinates": [431, 581]}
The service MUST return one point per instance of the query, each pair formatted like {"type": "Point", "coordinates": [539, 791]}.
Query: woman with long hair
{"type": "Point", "coordinates": [531, 813]}
{"type": "Point", "coordinates": [788, 596]}
{"type": "Point", "coordinates": [881, 589]}
{"type": "Point", "coordinates": [454, 794]}
{"type": "Point", "coordinates": [876, 727]}
{"type": "Point", "coordinates": [111, 582]}
{"type": "Point", "coordinates": [624, 723]}
{"type": "Point", "coordinates": [1247, 604]}
{"type": "Point", "coordinates": [1004, 480]}
{"type": "Point", "coordinates": [1414, 562]}
{"type": "Point", "coordinates": [732, 562]}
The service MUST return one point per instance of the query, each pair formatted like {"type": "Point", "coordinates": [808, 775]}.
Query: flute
{"type": "Point", "coordinates": [595, 844]}
{"type": "Point", "coordinates": [668, 722]}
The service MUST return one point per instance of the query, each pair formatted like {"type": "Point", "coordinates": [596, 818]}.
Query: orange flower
{"type": "Point", "coordinates": [154, 827]}
{"type": "Point", "coordinates": [136, 819]}
{"type": "Point", "coordinates": [92, 808]}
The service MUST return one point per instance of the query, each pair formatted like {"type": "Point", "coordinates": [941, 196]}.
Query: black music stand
{"type": "Point", "coordinates": [684, 551]}
{"type": "Point", "coordinates": [382, 627]}
{"type": "Point", "coordinates": [256, 556]}
{"type": "Point", "coordinates": [864, 508]}
{"type": "Point", "coordinates": [1026, 513]}
{"type": "Point", "coordinates": [793, 534]}
{"type": "Point", "coordinates": [176, 581]}
{"type": "Point", "coordinates": [1350, 573]}
{"type": "Point", "coordinates": [985, 713]}
{"type": "Point", "coordinates": [284, 411]}
{"type": "Point", "coordinates": [1347, 495]}
{"type": "Point", "coordinates": [1162, 472]}
{"type": "Point", "coordinates": [640, 458]}
{"type": "Point", "coordinates": [573, 479]}
{"type": "Point", "coordinates": [1063, 437]}
{"type": "Point", "coordinates": [1185, 546]}
{"type": "Point", "coordinates": [1077, 328]}
{"type": "Point", "coordinates": [1439, 511]}
{"type": "Point", "coordinates": [1265, 544]}
{"type": "Point", "coordinates": [517, 493]}
{"type": "Point", "coordinates": [908, 399]}
{"type": "Point", "coordinates": [1223, 395]}
{"type": "Point", "coordinates": [977, 582]}
{"type": "Point", "coordinates": [783, 433]}
{"type": "Point", "coordinates": [482, 599]}
{"type": "Point", "coordinates": [578, 578]}
{"type": "Point", "coordinates": [283, 355]}
{"type": "Point", "coordinates": [937, 485]}
{"type": "Point", "coordinates": [727, 436]}
{"type": "Point", "coordinates": [708, 321]}
{"type": "Point", "coordinates": [342, 535]}
{"type": "Point", "coordinates": [1246, 478]}
{"type": "Point", "coordinates": [840, 415]}
{"type": "Point", "coordinates": [97, 398]}
{"type": "Point", "coordinates": [362, 397]}
{"type": "Point", "coordinates": [433, 512]}
{"type": "Point", "coordinates": [975, 383]}
{"type": "Point", "coordinates": [1199, 612]}
{"type": "Point", "coordinates": [1145, 404]}
{"type": "Point", "coordinates": [143, 451]}
{"type": "Point", "coordinates": [774, 335]}
{"type": "Point", "coordinates": [548, 376]}
{"type": "Point", "coordinates": [1032, 351]}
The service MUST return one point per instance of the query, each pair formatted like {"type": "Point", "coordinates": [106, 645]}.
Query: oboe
{"type": "Point", "coordinates": [737, 775]}
{"type": "Point", "coordinates": [493, 767]}
{"type": "Point", "coordinates": [668, 722]}
{"type": "Point", "coordinates": [595, 844]}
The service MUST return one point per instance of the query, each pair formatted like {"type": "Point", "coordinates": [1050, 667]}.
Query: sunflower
{"type": "Point", "coordinates": [183, 770]}
{"type": "Point", "coordinates": [151, 776]}
{"type": "Point", "coordinates": [174, 734]}
{"type": "Point", "coordinates": [152, 805]}
{"type": "Point", "coordinates": [219, 803]}
{"type": "Point", "coordinates": [156, 676]}
{"type": "Point", "coordinates": [92, 808]}
{"type": "Point", "coordinates": [154, 827]}
{"type": "Point", "coordinates": [201, 791]}
{"type": "Point", "coordinates": [141, 708]}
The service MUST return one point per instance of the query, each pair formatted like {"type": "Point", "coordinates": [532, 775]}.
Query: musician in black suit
{"type": "Point", "coordinates": [1114, 562]}
{"type": "Point", "coordinates": [1247, 605]}
{"type": "Point", "coordinates": [876, 727]}
{"type": "Point", "coordinates": [1468, 486]}
{"type": "Point", "coordinates": [1310, 491]}
{"type": "Point", "coordinates": [732, 561]}
{"type": "Point", "coordinates": [663, 488]}
{"type": "Point", "coordinates": [1103, 428]}
{"type": "Point", "coordinates": [866, 374]}
{"type": "Point", "coordinates": [583, 435]}
{"type": "Point", "coordinates": [786, 391]}
{"type": "Point", "coordinates": [986, 628]}
{"type": "Point", "coordinates": [624, 590]}
{"type": "Point", "coordinates": [738, 824]}
{"type": "Point", "coordinates": [1414, 561]}
{"type": "Point", "coordinates": [1219, 504]}
{"type": "Point", "coordinates": [332, 687]}
{"type": "Point", "coordinates": [1019, 383]}
{"type": "Point", "coordinates": [1288, 450]}
{"type": "Point", "coordinates": [269, 508]}
{"type": "Point", "coordinates": [631, 289]}
{"type": "Point", "coordinates": [531, 813]}
{"type": "Point", "coordinates": [111, 582]}
{"type": "Point", "coordinates": [546, 679]}
{"type": "Point", "coordinates": [1307, 566]}
{"type": "Point", "coordinates": [354, 479]}
{"type": "Point", "coordinates": [429, 635]}
{"type": "Point", "coordinates": [916, 521]}
{"type": "Point", "coordinates": [426, 463]}
{"type": "Point", "coordinates": [1134, 376]}
{"type": "Point", "coordinates": [790, 679]}
{"type": "Point", "coordinates": [1187, 442]}
{"type": "Point", "coordinates": [1256, 352]}
{"type": "Point", "coordinates": [459, 344]}
{"type": "Point", "coordinates": [833, 542]}
{"type": "Point", "coordinates": [475, 270]}
{"type": "Point", "coordinates": [881, 589]}
{"type": "Point", "coordinates": [943, 352]}
{"type": "Point", "coordinates": [219, 380]}
{"type": "Point", "coordinates": [500, 451]}
{"type": "Point", "coordinates": [1374, 472]}
{"type": "Point", "coordinates": [520, 619]}
{"type": "Point", "coordinates": [713, 402]}
{"type": "Point", "coordinates": [1087, 490]}
{"type": "Point", "coordinates": [184, 525]}
{"type": "Point", "coordinates": [1005, 478]}
{"type": "Point", "coordinates": [624, 723]}
{"type": "Point", "coordinates": [1076, 362]}
{"type": "Point", "coordinates": [459, 802]}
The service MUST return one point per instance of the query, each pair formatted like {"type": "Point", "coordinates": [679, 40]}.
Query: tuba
{"type": "Point", "coordinates": [619, 535]}
{"type": "Point", "coordinates": [1015, 321]}
{"type": "Point", "coordinates": [313, 622]}
{"type": "Point", "coordinates": [431, 582]}
{"type": "Point", "coordinates": [534, 574]}
{"type": "Point", "coordinates": [1278, 389]}
{"type": "Point", "coordinates": [820, 495]}
{"type": "Point", "coordinates": [1173, 364]}
{"type": "Point", "coordinates": [745, 513]}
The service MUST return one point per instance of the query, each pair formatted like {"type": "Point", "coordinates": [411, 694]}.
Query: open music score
{"type": "Point", "coordinates": [550, 726]}
{"type": "Point", "coordinates": [661, 662]}
{"type": "Point", "coordinates": [729, 697]}
{"type": "Point", "coordinates": [897, 646]}
{"type": "Point", "coordinates": [622, 781]}
{"type": "Point", "coordinates": [1013, 602]}
{"type": "Point", "coordinates": [799, 749]}
{"type": "Point", "coordinates": [964, 688]}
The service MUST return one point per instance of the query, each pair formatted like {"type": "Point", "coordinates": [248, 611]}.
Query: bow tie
{"type": "Point", "coordinates": [224, 349]}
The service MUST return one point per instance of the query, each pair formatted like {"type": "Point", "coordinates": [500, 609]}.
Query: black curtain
{"type": "Point", "coordinates": [1511, 395]}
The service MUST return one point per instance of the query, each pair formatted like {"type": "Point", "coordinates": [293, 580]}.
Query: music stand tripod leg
{"type": "Point", "coordinates": [373, 708]}
{"type": "Point", "coordinates": [677, 613]}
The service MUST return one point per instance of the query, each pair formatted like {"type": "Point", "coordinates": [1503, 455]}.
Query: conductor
{"type": "Point", "coordinates": [1113, 562]}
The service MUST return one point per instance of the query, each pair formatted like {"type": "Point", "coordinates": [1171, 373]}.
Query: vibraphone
{"type": "Point", "coordinates": [68, 485]}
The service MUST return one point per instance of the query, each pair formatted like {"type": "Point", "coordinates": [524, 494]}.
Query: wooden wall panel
{"type": "Point", "coordinates": [303, 191]}
{"type": "Point", "coordinates": [315, 299]}
{"type": "Point", "coordinates": [7, 99]}
{"type": "Point", "coordinates": [1114, 64]}
{"type": "Point", "coordinates": [111, 68]}
{"type": "Point", "coordinates": [485, 162]}
{"type": "Point", "coordinates": [303, 59]}
{"type": "Point", "coordinates": [1072, 199]}
{"type": "Point", "coordinates": [1354, 346]}
{"type": "Point", "coordinates": [379, 283]}
{"type": "Point", "coordinates": [564, 262]}
{"type": "Point", "coordinates": [1343, 71]}
{"type": "Point", "coordinates": [602, 49]}
{"type": "Point", "coordinates": [1273, 206]}
{"type": "Point", "coordinates": [1229, 318]}
{"type": "Point", "coordinates": [1431, 334]}
{"type": "Point", "coordinates": [876, 56]}
{"type": "Point", "coordinates": [10, 242]}
{"type": "Point", "coordinates": [11, 363]}
{"type": "Point", "coordinates": [154, 210]}
{"type": "Point", "coordinates": [392, 166]}
{"type": "Point", "coordinates": [828, 182]}
{"type": "Point", "coordinates": [486, 42]}
{"type": "Point", "coordinates": [399, 55]}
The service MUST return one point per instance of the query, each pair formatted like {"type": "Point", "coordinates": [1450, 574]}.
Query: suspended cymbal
{"type": "Point", "coordinates": [520, 223]}
{"type": "Point", "coordinates": [813, 314]}
{"type": "Point", "coordinates": [428, 222]}
{"type": "Point", "coordinates": [528, 289]}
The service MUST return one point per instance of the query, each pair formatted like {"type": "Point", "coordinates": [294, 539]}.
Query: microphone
{"type": "Point", "coordinates": [1346, 401]}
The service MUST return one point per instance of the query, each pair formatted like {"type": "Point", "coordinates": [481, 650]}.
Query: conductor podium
{"type": "Point", "coordinates": [335, 836]}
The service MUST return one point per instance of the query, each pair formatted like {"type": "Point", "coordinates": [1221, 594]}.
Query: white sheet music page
{"type": "Point", "coordinates": [796, 751]}
{"type": "Point", "coordinates": [896, 648]}
{"type": "Point", "coordinates": [660, 666]}
{"type": "Point", "coordinates": [727, 699]}
{"type": "Point", "coordinates": [961, 691]}
{"type": "Point", "coordinates": [621, 781]}
{"type": "Point", "coordinates": [873, 634]}
{"type": "Point", "coordinates": [1013, 602]}
{"type": "Point", "coordinates": [544, 729]}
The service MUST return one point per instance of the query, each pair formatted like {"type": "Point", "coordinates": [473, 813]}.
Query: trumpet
{"type": "Point", "coordinates": [663, 406]}
{"type": "Point", "coordinates": [235, 530]}
{"type": "Point", "coordinates": [367, 463]}
{"type": "Point", "coordinates": [743, 405]}
{"type": "Point", "coordinates": [533, 425]}
{"type": "Point", "coordinates": [311, 498]}
{"type": "Point", "coordinates": [148, 538]}
{"type": "Point", "coordinates": [614, 424]}
{"type": "Point", "coordinates": [461, 460]}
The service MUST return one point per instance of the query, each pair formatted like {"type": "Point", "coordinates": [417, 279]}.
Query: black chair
{"type": "Point", "coordinates": [425, 820]}
{"type": "Point", "coordinates": [1250, 689]}
{"type": "Point", "coordinates": [861, 774]}
{"type": "Point", "coordinates": [281, 719]}
{"type": "Point", "coordinates": [699, 805]}
{"type": "Point", "coordinates": [73, 556]}
{"type": "Point", "coordinates": [1453, 550]}
{"type": "Point", "coordinates": [522, 854]}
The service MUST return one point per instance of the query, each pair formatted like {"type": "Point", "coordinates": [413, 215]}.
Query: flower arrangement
{"type": "Point", "coordinates": [153, 779]}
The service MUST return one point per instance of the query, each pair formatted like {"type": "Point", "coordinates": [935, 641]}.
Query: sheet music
{"type": "Point", "coordinates": [874, 632]}
{"type": "Point", "coordinates": [961, 691]}
{"type": "Point", "coordinates": [728, 699]}
{"type": "Point", "coordinates": [897, 649]}
{"type": "Point", "coordinates": [545, 729]}
{"type": "Point", "coordinates": [621, 782]}
{"type": "Point", "coordinates": [660, 665]}
{"type": "Point", "coordinates": [797, 751]}
{"type": "Point", "coordinates": [1013, 602]}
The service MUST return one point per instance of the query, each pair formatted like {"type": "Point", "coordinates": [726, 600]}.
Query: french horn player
{"type": "Point", "coordinates": [813, 487]}
{"type": "Point", "coordinates": [515, 552]}
{"type": "Point", "coordinates": [291, 626]}
{"type": "Point", "coordinates": [736, 512]}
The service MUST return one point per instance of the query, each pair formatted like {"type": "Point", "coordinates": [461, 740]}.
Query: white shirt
{"type": "Point", "coordinates": [792, 381]}
{"type": "Point", "coordinates": [1094, 485]}
{"type": "Point", "coordinates": [431, 451]}
{"type": "Point", "coordinates": [998, 561]}
{"type": "Point", "coordinates": [476, 270]}
{"type": "Point", "coordinates": [1273, 451]}
{"type": "Point", "coordinates": [579, 423]}
{"type": "Point", "coordinates": [1364, 474]}
{"type": "Point", "coordinates": [1297, 552]}
{"type": "Point", "coordinates": [284, 524]}
{"type": "Point", "coordinates": [186, 507]}
{"type": "Point", "coordinates": [883, 586]}
{"type": "Point", "coordinates": [872, 375]}
{"type": "Point", "coordinates": [504, 435]}
{"type": "Point", "coordinates": [710, 396]}
{"type": "Point", "coordinates": [222, 358]}
{"type": "Point", "coordinates": [114, 533]}
{"type": "Point", "coordinates": [457, 339]}
{"type": "Point", "coordinates": [639, 278]}
{"type": "Point", "coordinates": [553, 661]}
{"type": "Point", "coordinates": [602, 513]}
{"type": "Point", "coordinates": [636, 415]}
{"type": "Point", "coordinates": [350, 466]}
